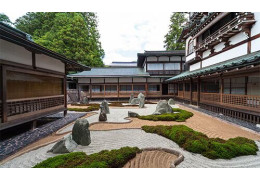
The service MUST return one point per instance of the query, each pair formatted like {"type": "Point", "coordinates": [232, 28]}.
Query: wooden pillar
{"type": "Point", "coordinates": [118, 87]}
{"type": "Point", "coordinates": [198, 91]}
{"type": "Point", "coordinates": [146, 87]}
{"type": "Point", "coordinates": [221, 88]}
{"type": "Point", "coordinates": [190, 90]}
{"type": "Point", "coordinates": [3, 94]}
{"type": "Point", "coordinates": [90, 89]}
{"type": "Point", "coordinates": [34, 124]}
{"type": "Point", "coordinates": [181, 65]}
{"type": "Point", "coordinates": [183, 89]}
{"type": "Point", "coordinates": [246, 83]}
{"type": "Point", "coordinates": [65, 95]}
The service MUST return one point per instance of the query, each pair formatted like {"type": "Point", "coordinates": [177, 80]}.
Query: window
{"type": "Point", "coordinates": [72, 85]}
{"type": "Point", "coordinates": [210, 86]}
{"type": "Point", "coordinates": [111, 88]}
{"type": "Point", "coordinates": [238, 85]}
{"type": "Point", "coordinates": [180, 86]}
{"type": "Point", "coordinates": [125, 87]}
{"type": "Point", "coordinates": [23, 85]}
{"type": "Point", "coordinates": [97, 88]}
{"type": "Point", "coordinates": [194, 87]}
{"type": "Point", "coordinates": [172, 66]}
{"type": "Point", "coordinates": [154, 66]}
{"type": "Point", "coordinates": [187, 86]}
{"type": "Point", "coordinates": [226, 88]}
{"type": "Point", "coordinates": [153, 87]}
{"type": "Point", "coordinates": [139, 87]}
{"type": "Point", "coordinates": [253, 85]}
{"type": "Point", "coordinates": [190, 47]}
{"type": "Point", "coordinates": [84, 87]}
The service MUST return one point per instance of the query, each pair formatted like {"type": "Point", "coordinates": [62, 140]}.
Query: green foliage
{"type": "Point", "coordinates": [171, 38]}
{"type": "Point", "coordinates": [92, 107]}
{"type": "Point", "coordinates": [104, 159]}
{"type": "Point", "coordinates": [72, 34]}
{"type": "Point", "coordinates": [179, 117]}
{"type": "Point", "coordinates": [4, 18]}
{"type": "Point", "coordinates": [196, 142]}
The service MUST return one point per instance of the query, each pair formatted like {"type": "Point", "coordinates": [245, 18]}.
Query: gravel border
{"type": "Point", "coordinates": [14, 144]}
{"type": "Point", "coordinates": [239, 122]}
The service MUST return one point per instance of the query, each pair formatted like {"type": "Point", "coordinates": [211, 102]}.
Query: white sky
{"type": "Point", "coordinates": [124, 34]}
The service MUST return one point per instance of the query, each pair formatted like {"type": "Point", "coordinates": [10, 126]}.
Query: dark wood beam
{"type": "Point", "coordinates": [3, 94]}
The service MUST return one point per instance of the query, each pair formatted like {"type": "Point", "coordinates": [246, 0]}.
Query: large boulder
{"type": "Point", "coordinates": [135, 101]}
{"type": "Point", "coordinates": [163, 107]}
{"type": "Point", "coordinates": [102, 115]}
{"type": "Point", "coordinates": [131, 98]}
{"type": "Point", "coordinates": [141, 98]}
{"type": "Point", "coordinates": [105, 105]}
{"type": "Point", "coordinates": [66, 145]}
{"type": "Point", "coordinates": [132, 114]}
{"type": "Point", "coordinates": [80, 132]}
{"type": "Point", "coordinates": [171, 101]}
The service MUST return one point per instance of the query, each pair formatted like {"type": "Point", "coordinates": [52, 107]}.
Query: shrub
{"type": "Point", "coordinates": [196, 142]}
{"type": "Point", "coordinates": [179, 117]}
{"type": "Point", "coordinates": [103, 159]}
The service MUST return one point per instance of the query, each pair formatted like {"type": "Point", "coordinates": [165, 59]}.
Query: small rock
{"type": "Point", "coordinates": [102, 116]}
{"type": "Point", "coordinates": [141, 98]}
{"type": "Point", "coordinates": [80, 132]}
{"type": "Point", "coordinates": [171, 101]}
{"type": "Point", "coordinates": [106, 108]}
{"type": "Point", "coordinates": [85, 100]}
{"type": "Point", "coordinates": [131, 98]}
{"type": "Point", "coordinates": [163, 107]}
{"type": "Point", "coordinates": [132, 114]}
{"type": "Point", "coordinates": [66, 145]}
{"type": "Point", "coordinates": [258, 125]}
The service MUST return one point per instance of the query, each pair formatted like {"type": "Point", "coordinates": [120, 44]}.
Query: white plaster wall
{"type": "Point", "coordinates": [232, 53]}
{"type": "Point", "coordinates": [195, 66]}
{"type": "Point", "coordinates": [152, 58]}
{"type": "Point", "coordinates": [163, 58]}
{"type": "Point", "coordinates": [153, 79]}
{"type": "Point", "coordinates": [190, 57]}
{"type": "Point", "coordinates": [237, 38]}
{"type": "Point", "coordinates": [125, 79]}
{"type": "Point", "coordinates": [14, 53]}
{"type": "Point", "coordinates": [206, 53]}
{"type": "Point", "coordinates": [46, 62]}
{"type": "Point", "coordinates": [175, 58]}
{"type": "Point", "coordinates": [83, 80]}
{"type": "Point", "coordinates": [255, 45]}
{"type": "Point", "coordinates": [219, 46]}
{"type": "Point", "coordinates": [139, 79]}
{"type": "Point", "coordinates": [111, 80]}
{"type": "Point", "coordinates": [97, 80]}
{"type": "Point", "coordinates": [256, 27]}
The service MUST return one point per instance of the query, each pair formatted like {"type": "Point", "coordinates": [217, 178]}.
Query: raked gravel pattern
{"type": "Point", "coordinates": [118, 115]}
{"type": "Point", "coordinates": [116, 139]}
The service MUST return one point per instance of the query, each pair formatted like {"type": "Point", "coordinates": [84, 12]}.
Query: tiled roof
{"type": "Point", "coordinates": [113, 72]}
{"type": "Point", "coordinates": [242, 61]}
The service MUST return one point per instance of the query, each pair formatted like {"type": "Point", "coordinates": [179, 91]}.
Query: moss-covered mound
{"type": "Point", "coordinates": [196, 142]}
{"type": "Point", "coordinates": [91, 107]}
{"type": "Point", "coordinates": [179, 117]}
{"type": "Point", "coordinates": [104, 159]}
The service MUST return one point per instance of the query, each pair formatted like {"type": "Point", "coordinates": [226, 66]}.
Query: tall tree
{"type": "Point", "coordinates": [171, 38]}
{"type": "Point", "coordinates": [74, 35]}
{"type": "Point", "coordinates": [5, 18]}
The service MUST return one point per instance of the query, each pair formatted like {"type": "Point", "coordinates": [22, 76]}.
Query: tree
{"type": "Point", "coordinates": [171, 38]}
{"type": "Point", "coordinates": [5, 18]}
{"type": "Point", "coordinates": [74, 35]}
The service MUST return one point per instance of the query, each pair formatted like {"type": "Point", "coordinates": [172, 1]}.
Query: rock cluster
{"type": "Point", "coordinates": [80, 136]}
{"type": "Point", "coordinates": [139, 100]}
{"type": "Point", "coordinates": [162, 108]}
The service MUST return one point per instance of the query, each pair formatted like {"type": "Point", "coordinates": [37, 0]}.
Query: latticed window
{"type": "Point", "coordinates": [190, 47]}
{"type": "Point", "coordinates": [139, 87]}
{"type": "Point", "coordinates": [125, 87]}
{"type": "Point", "coordinates": [111, 88]}
{"type": "Point", "coordinates": [97, 88]}
{"type": "Point", "coordinates": [154, 87]}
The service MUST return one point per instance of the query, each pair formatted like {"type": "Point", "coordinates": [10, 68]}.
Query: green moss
{"type": "Point", "coordinates": [103, 159]}
{"type": "Point", "coordinates": [179, 117]}
{"type": "Point", "coordinates": [196, 142]}
{"type": "Point", "coordinates": [92, 107]}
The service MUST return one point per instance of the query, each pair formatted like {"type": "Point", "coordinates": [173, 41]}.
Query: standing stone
{"type": "Point", "coordinates": [102, 115]}
{"type": "Point", "coordinates": [171, 101]}
{"type": "Point", "coordinates": [132, 114]}
{"type": "Point", "coordinates": [163, 107]}
{"type": "Point", "coordinates": [105, 105]}
{"type": "Point", "coordinates": [66, 145]}
{"type": "Point", "coordinates": [141, 98]}
{"type": "Point", "coordinates": [131, 98]}
{"type": "Point", "coordinates": [85, 100]}
{"type": "Point", "coordinates": [80, 132]}
{"type": "Point", "coordinates": [135, 101]}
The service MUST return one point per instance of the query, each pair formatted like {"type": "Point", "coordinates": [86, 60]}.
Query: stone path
{"type": "Point", "coordinates": [151, 159]}
{"type": "Point", "coordinates": [116, 139]}
{"type": "Point", "coordinates": [12, 145]}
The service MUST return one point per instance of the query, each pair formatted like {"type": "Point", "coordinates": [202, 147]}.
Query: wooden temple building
{"type": "Point", "coordinates": [223, 62]}
{"type": "Point", "coordinates": [32, 78]}
{"type": "Point", "coordinates": [121, 79]}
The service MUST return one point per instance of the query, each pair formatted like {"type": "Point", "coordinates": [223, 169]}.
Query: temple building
{"type": "Point", "coordinates": [223, 62]}
{"type": "Point", "coordinates": [32, 79]}
{"type": "Point", "coordinates": [147, 75]}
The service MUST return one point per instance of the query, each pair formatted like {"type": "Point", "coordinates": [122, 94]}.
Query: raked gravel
{"type": "Point", "coordinates": [115, 139]}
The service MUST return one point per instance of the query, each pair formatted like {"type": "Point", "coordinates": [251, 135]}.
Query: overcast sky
{"type": "Point", "coordinates": [124, 34]}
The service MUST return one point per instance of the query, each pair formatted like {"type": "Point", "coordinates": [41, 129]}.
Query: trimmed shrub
{"type": "Point", "coordinates": [92, 107]}
{"type": "Point", "coordinates": [103, 159]}
{"type": "Point", "coordinates": [179, 117]}
{"type": "Point", "coordinates": [197, 142]}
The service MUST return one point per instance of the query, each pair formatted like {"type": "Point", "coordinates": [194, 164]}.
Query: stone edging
{"type": "Point", "coordinates": [176, 162]}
